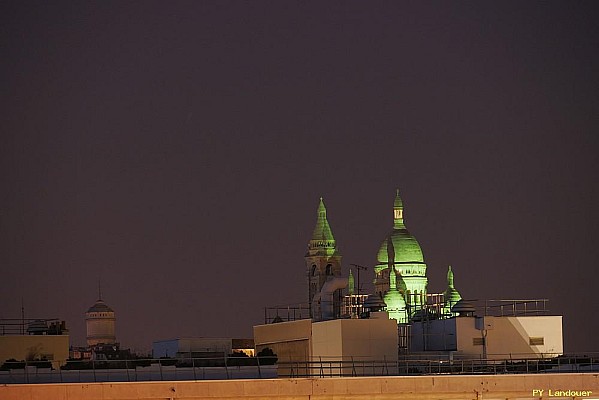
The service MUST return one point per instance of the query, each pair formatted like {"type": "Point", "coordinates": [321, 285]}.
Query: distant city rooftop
{"type": "Point", "coordinates": [32, 326]}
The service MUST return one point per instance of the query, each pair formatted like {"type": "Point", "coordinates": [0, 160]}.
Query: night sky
{"type": "Point", "coordinates": [176, 151]}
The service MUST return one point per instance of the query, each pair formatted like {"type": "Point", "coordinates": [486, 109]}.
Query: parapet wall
{"type": "Point", "coordinates": [537, 386]}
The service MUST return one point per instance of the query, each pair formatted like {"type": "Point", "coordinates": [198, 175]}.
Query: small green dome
{"type": "Point", "coordinates": [402, 247]}
{"type": "Point", "coordinates": [396, 305]}
{"type": "Point", "coordinates": [452, 296]}
{"type": "Point", "coordinates": [394, 300]}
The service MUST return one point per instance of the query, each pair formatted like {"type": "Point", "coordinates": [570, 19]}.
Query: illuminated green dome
{"type": "Point", "coordinates": [402, 247]}
{"type": "Point", "coordinates": [400, 273]}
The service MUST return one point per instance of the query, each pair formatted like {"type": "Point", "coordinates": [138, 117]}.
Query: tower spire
{"type": "Point", "coordinates": [322, 236]}
{"type": "Point", "coordinates": [398, 212]}
{"type": "Point", "coordinates": [99, 289]}
{"type": "Point", "coordinates": [323, 261]}
{"type": "Point", "coordinates": [450, 278]}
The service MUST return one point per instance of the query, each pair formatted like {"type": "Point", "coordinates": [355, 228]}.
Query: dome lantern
{"type": "Point", "coordinates": [398, 212]}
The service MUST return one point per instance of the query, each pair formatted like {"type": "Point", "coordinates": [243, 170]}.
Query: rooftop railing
{"type": "Point", "coordinates": [168, 369]}
{"type": "Point", "coordinates": [286, 313]}
{"type": "Point", "coordinates": [31, 326]}
{"type": "Point", "coordinates": [513, 308]}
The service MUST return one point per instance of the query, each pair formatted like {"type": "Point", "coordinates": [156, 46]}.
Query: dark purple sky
{"type": "Point", "coordinates": [178, 151]}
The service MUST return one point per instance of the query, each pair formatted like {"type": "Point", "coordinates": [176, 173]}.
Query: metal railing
{"type": "Point", "coordinates": [323, 368]}
{"type": "Point", "coordinates": [26, 326]}
{"type": "Point", "coordinates": [286, 313]}
{"type": "Point", "coordinates": [168, 369]}
{"type": "Point", "coordinates": [513, 308]}
{"type": "Point", "coordinates": [164, 369]}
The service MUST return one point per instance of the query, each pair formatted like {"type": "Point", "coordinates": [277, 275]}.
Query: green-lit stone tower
{"type": "Point", "coordinates": [400, 273]}
{"type": "Point", "coordinates": [322, 258]}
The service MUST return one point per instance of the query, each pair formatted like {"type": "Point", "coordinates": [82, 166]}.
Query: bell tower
{"type": "Point", "coordinates": [323, 259]}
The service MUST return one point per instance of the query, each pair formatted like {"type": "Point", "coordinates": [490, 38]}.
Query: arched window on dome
{"type": "Point", "coordinates": [314, 270]}
{"type": "Point", "coordinates": [329, 270]}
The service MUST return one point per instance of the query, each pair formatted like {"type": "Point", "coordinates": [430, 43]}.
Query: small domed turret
{"type": "Point", "coordinates": [452, 296]}
{"type": "Point", "coordinates": [374, 303]}
{"type": "Point", "coordinates": [464, 308]}
{"type": "Point", "coordinates": [100, 306]}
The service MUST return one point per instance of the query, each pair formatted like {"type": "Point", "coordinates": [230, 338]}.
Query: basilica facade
{"type": "Point", "coordinates": [400, 279]}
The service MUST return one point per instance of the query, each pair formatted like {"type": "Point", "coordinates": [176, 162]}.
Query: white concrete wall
{"type": "Point", "coordinates": [339, 339]}
{"type": "Point", "coordinates": [456, 387]}
{"type": "Point", "coordinates": [358, 339]}
{"type": "Point", "coordinates": [291, 341]}
{"type": "Point", "coordinates": [327, 340]}
{"type": "Point", "coordinates": [509, 336]}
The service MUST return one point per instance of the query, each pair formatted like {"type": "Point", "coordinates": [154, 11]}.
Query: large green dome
{"type": "Point", "coordinates": [400, 273]}
{"type": "Point", "coordinates": [401, 247]}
